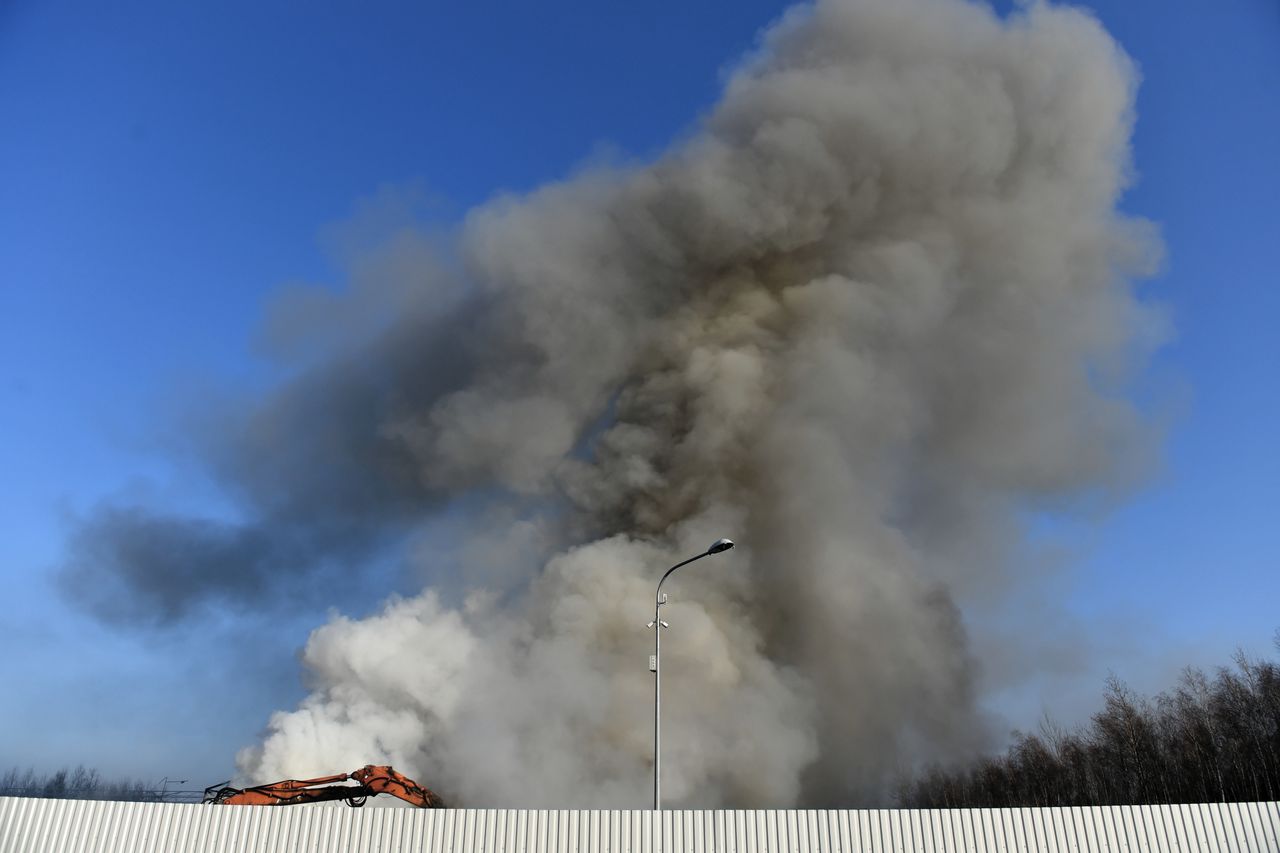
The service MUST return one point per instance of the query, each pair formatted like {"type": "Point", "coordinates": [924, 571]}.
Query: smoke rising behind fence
{"type": "Point", "coordinates": [876, 307]}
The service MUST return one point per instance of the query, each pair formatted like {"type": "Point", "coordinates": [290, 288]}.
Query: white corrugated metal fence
{"type": "Point", "coordinates": [69, 826]}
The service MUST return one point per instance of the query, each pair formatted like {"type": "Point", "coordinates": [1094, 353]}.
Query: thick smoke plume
{"type": "Point", "coordinates": [869, 314]}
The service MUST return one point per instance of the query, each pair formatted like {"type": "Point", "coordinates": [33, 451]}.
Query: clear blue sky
{"type": "Point", "coordinates": [164, 168]}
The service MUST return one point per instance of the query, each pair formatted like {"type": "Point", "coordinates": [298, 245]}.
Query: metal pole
{"type": "Point", "coordinates": [657, 703]}
{"type": "Point", "coordinates": [164, 786]}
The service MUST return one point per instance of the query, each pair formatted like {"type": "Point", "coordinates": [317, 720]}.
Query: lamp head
{"type": "Point", "coordinates": [720, 545]}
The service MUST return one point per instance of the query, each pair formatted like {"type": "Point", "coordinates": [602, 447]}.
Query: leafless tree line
{"type": "Point", "coordinates": [82, 783]}
{"type": "Point", "coordinates": [1207, 740]}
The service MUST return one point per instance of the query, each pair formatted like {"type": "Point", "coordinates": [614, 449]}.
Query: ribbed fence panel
{"type": "Point", "coordinates": [81, 826]}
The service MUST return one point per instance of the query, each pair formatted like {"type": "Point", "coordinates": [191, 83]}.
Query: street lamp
{"type": "Point", "coordinates": [655, 665]}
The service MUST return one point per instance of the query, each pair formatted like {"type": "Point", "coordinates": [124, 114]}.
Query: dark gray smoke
{"type": "Point", "coordinates": [873, 311]}
{"type": "Point", "coordinates": [320, 479]}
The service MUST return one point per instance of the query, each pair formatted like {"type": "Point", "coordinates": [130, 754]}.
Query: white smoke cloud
{"type": "Point", "coordinates": [873, 310]}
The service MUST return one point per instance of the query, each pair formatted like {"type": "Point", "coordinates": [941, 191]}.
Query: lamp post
{"type": "Point", "coordinates": [656, 665]}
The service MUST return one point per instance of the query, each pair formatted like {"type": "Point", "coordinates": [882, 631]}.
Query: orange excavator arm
{"type": "Point", "coordinates": [370, 781]}
{"type": "Point", "coordinates": [382, 779]}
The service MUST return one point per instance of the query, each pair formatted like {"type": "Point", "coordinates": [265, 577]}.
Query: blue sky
{"type": "Point", "coordinates": [165, 168]}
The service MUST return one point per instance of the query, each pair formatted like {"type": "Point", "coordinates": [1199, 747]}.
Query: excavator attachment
{"type": "Point", "coordinates": [370, 781]}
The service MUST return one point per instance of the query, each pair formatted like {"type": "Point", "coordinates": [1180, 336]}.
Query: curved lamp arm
{"type": "Point", "coordinates": [716, 547]}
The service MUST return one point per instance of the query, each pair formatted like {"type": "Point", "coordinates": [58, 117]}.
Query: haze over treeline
{"type": "Point", "coordinates": [80, 783]}
{"type": "Point", "coordinates": [873, 312]}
